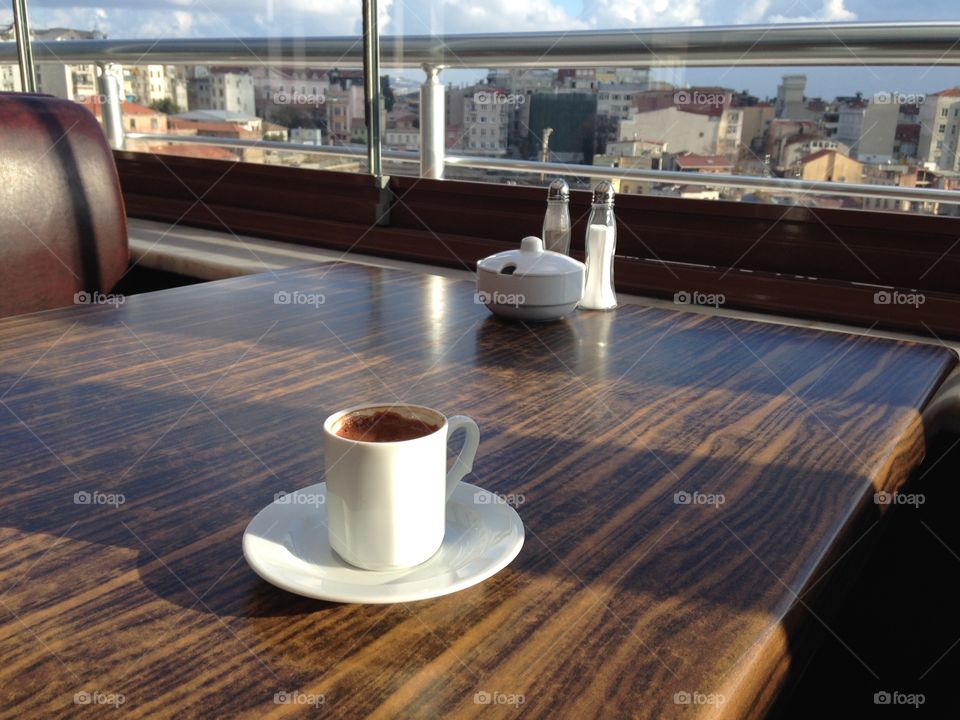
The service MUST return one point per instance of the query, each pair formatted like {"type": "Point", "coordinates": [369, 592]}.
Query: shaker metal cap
{"type": "Point", "coordinates": [604, 193]}
{"type": "Point", "coordinates": [558, 190]}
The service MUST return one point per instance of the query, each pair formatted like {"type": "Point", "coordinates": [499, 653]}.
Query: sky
{"type": "Point", "coordinates": [245, 18]}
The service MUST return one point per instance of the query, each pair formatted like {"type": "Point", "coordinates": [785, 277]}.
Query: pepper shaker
{"type": "Point", "coordinates": [556, 222]}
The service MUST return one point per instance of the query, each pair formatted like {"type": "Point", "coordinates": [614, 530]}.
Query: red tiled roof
{"type": "Point", "coordinates": [950, 92]}
{"type": "Point", "coordinates": [128, 108]}
{"type": "Point", "coordinates": [207, 152]}
{"type": "Point", "coordinates": [817, 155]}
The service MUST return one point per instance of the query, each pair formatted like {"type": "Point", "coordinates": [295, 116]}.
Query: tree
{"type": "Point", "coordinates": [165, 105]}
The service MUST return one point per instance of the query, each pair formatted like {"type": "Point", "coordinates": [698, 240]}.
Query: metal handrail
{"type": "Point", "coordinates": [744, 182]}
{"type": "Point", "coordinates": [880, 43]}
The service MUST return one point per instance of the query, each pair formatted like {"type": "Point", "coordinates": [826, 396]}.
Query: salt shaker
{"type": "Point", "coordinates": [556, 223]}
{"type": "Point", "coordinates": [601, 245]}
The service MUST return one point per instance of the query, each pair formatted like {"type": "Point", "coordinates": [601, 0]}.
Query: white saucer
{"type": "Point", "coordinates": [286, 544]}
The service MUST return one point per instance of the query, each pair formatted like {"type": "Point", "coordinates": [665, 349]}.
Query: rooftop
{"type": "Point", "coordinates": [127, 108]}
{"type": "Point", "coordinates": [819, 154]}
{"type": "Point", "coordinates": [178, 123]}
{"type": "Point", "coordinates": [692, 161]}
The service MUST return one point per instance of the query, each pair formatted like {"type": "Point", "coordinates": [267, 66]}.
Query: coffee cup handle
{"type": "Point", "coordinates": [464, 462]}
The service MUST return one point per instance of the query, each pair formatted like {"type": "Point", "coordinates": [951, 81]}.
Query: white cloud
{"type": "Point", "coordinates": [418, 17]}
{"type": "Point", "coordinates": [227, 18]}
{"type": "Point", "coordinates": [608, 14]}
{"type": "Point", "coordinates": [832, 11]}
{"type": "Point", "coordinates": [753, 12]}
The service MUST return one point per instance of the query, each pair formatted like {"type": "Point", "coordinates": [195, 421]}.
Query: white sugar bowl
{"type": "Point", "coordinates": [530, 283]}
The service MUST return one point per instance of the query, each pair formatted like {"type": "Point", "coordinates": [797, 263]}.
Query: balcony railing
{"type": "Point", "coordinates": [884, 43]}
{"type": "Point", "coordinates": [846, 44]}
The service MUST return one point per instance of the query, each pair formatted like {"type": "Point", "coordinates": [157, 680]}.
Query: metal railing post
{"type": "Point", "coordinates": [432, 127]}
{"type": "Point", "coordinates": [28, 78]}
{"type": "Point", "coordinates": [108, 86]}
{"type": "Point", "coordinates": [371, 86]}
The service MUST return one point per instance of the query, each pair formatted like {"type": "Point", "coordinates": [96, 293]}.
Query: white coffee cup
{"type": "Point", "coordinates": [386, 501]}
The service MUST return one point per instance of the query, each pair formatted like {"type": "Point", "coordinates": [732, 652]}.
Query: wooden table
{"type": "Point", "coordinates": [195, 406]}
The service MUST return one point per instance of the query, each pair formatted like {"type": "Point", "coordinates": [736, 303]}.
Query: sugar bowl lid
{"type": "Point", "coordinates": [530, 260]}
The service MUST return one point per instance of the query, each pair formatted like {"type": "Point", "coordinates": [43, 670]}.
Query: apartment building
{"type": "Point", "coordinates": [790, 97]}
{"type": "Point", "coordinates": [755, 122]}
{"type": "Point", "coordinates": [939, 119]}
{"type": "Point", "coordinates": [486, 115]}
{"type": "Point", "coordinates": [345, 111]}
{"type": "Point", "coordinates": [869, 128]}
{"type": "Point", "coordinates": [716, 131]}
{"type": "Point", "coordinates": [829, 166]}
{"type": "Point", "coordinates": [403, 131]}
{"type": "Point", "coordinates": [615, 100]}
{"type": "Point", "coordinates": [9, 78]}
{"type": "Point", "coordinates": [218, 89]}
{"type": "Point", "coordinates": [71, 82]}
{"type": "Point", "coordinates": [277, 87]}
{"type": "Point", "coordinates": [148, 84]}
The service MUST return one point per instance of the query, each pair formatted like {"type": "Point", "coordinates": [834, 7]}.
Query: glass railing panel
{"type": "Point", "coordinates": [250, 80]}
{"type": "Point", "coordinates": [861, 115]}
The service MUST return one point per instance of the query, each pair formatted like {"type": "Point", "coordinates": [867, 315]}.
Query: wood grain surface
{"type": "Point", "coordinates": [182, 413]}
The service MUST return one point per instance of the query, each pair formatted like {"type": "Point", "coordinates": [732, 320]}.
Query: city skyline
{"type": "Point", "coordinates": [297, 18]}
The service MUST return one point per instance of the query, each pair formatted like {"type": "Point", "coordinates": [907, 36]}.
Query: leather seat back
{"type": "Point", "coordinates": [63, 227]}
